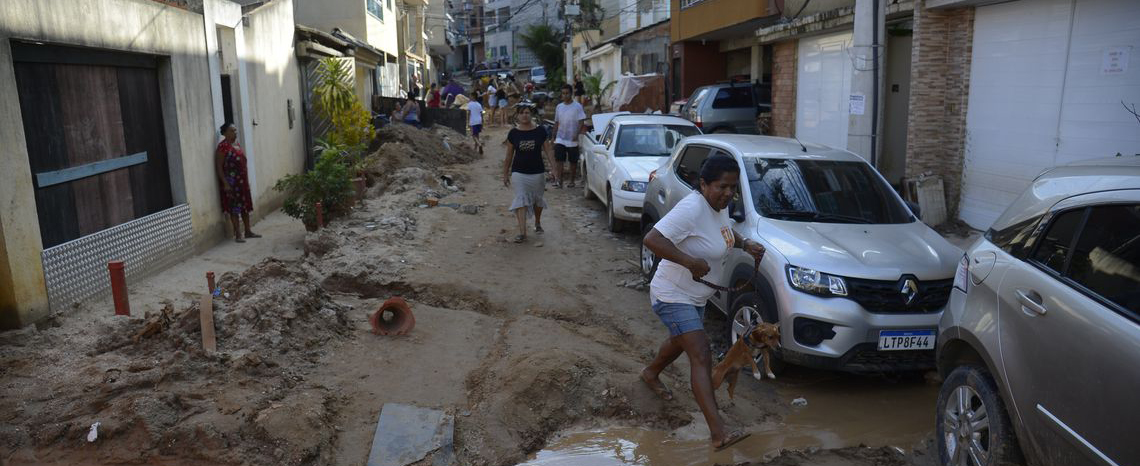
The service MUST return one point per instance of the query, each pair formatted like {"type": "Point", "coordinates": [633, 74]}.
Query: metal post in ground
{"type": "Point", "coordinates": [119, 288]}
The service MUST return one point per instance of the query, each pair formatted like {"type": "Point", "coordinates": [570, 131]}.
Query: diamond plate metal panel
{"type": "Point", "coordinates": [77, 269]}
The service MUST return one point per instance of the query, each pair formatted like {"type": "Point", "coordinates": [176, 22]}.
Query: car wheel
{"type": "Point", "coordinates": [748, 310]}
{"type": "Point", "coordinates": [611, 221]}
{"type": "Point", "coordinates": [972, 427]}
{"type": "Point", "coordinates": [649, 261]}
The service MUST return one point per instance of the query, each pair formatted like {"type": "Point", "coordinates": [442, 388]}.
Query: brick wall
{"type": "Point", "coordinates": [940, 82]}
{"type": "Point", "coordinates": [784, 88]}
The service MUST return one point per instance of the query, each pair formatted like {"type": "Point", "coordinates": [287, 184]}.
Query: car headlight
{"type": "Point", "coordinates": [634, 186]}
{"type": "Point", "coordinates": [816, 282]}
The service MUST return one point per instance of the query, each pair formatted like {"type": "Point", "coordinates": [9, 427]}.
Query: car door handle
{"type": "Point", "coordinates": [1029, 305]}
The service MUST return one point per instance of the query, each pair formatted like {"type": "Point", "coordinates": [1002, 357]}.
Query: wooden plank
{"type": "Point", "coordinates": [47, 150]}
{"type": "Point", "coordinates": [45, 179]}
{"type": "Point", "coordinates": [206, 317]}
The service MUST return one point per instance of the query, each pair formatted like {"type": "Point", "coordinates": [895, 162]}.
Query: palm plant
{"type": "Point", "coordinates": [546, 43]}
{"type": "Point", "coordinates": [595, 89]}
{"type": "Point", "coordinates": [334, 90]}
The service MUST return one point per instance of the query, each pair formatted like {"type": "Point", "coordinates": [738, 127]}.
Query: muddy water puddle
{"type": "Point", "coordinates": [842, 411]}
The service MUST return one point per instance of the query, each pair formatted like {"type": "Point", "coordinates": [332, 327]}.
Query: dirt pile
{"type": "Point", "coordinates": [156, 394]}
{"type": "Point", "coordinates": [426, 148]}
{"type": "Point", "coordinates": [534, 395]}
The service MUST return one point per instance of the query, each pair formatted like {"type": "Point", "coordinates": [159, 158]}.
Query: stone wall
{"type": "Point", "coordinates": [940, 82]}
{"type": "Point", "coordinates": [784, 88]}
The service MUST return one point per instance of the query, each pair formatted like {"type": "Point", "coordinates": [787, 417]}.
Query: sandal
{"type": "Point", "coordinates": [520, 238]}
{"type": "Point", "coordinates": [732, 439]}
{"type": "Point", "coordinates": [239, 240]}
{"type": "Point", "coordinates": [659, 389]}
{"type": "Point", "coordinates": [250, 234]}
{"type": "Point", "coordinates": [538, 229]}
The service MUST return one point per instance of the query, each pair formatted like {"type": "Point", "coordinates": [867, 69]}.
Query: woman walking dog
{"type": "Point", "coordinates": [523, 169]}
{"type": "Point", "coordinates": [693, 241]}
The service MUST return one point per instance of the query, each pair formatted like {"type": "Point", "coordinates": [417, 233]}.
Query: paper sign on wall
{"type": "Point", "coordinates": [857, 104]}
{"type": "Point", "coordinates": [1115, 60]}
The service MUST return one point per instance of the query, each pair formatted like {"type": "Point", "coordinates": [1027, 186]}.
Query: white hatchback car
{"type": "Point", "coordinates": [616, 160]}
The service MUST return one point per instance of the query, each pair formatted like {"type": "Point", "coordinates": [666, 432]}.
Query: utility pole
{"type": "Point", "coordinates": [570, 10]}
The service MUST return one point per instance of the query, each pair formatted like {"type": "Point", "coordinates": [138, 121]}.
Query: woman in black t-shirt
{"type": "Point", "coordinates": [524, 170]}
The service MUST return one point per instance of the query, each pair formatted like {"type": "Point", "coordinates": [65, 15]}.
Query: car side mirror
{"type": "Point", "coordinates": [736, 211]}
{"type": "Point", "coordinates": [914, 207]}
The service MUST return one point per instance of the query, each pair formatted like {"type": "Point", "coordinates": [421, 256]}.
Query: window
{"type": "Point", "coordinates": [1106, 259]}
{"type": "Point", "coordinates": [504, 16]}
{"type": "Point", "coordinates": [689, 166]}
{"type": "Point", "coordinates": [1013, 238]}
{"type": "Point", "coordinates": [822, 191]}
{"type": "Point", "coordinates": [389, 4]}
{"type": "Point", "coordinates": [503, 51]}
{"type": "Point", "coordinates": [733, 97]}
{"type": "Point", "coordinates": [650, 140]}
{"type": "Point", "coordinates": [1053, 248]}
{"type": "Point", "coordinates": [374, 8]}
{"type": "Point", "coordinates": [608, 136]}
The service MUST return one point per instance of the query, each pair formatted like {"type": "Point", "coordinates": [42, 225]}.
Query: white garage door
{"type": "Point", "coordinates": [823, 81]}
{"type": "Point", "coordinates": [1045, 91]}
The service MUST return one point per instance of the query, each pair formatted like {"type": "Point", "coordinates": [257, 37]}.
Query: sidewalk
{"type": "Point", "coordinates": [282, 237]}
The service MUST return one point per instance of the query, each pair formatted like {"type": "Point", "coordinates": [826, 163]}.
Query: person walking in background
{"type": "Point", "coordinates": [524, 171]}
{"type": "Point", "coordinates": [693, 241]}
{"type": "Point", "coordinates": [433, 96]}
{"type": "Point", "coordinates": [233, 176]}
{"type": "Point", "coordinates": [579, 89]}
{"type": "Point", "coordinates": [451, 90]}
{"type": "Point", "coordinates": [568, 116]}
{"type": "Point", "coordinates": [475, 120]}
{"type": "Point", "coordinates": [500, 97]}
{"type": "Point", "coordinates": [492, 102]}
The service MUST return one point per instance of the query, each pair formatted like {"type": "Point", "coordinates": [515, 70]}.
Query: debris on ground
{"type": "Point", "coordinates": [851, 456]}
{"type": "Point", "coordinates": [799, 402]}
{"type": "Point", "coordinates": [408, 434]}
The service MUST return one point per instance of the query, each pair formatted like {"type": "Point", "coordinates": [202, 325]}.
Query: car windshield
{"type": "Point", "coordinates": [822, 191]}
{"type": "Point", "coordinates": [539, 72]}
{"type": "Point", "coordinates": [651, 140]}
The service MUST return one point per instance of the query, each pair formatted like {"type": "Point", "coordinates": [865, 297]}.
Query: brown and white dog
{"type": "Point", "coordinates": [763, 337]}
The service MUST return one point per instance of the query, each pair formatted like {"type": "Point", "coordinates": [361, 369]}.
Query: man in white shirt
{"type": "Point", "coordinates": [475, 120]}
{"type": "Point", "coordinates": [491, 100]}
{"type": "Point", "coordinates": [568, 116]}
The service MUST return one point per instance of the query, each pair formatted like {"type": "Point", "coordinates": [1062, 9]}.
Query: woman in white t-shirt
{"type": "Point", "coordinates": [693, 241]}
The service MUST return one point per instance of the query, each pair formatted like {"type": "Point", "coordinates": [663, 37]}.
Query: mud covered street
{"type": "Point", "coordinates": [534, 348]}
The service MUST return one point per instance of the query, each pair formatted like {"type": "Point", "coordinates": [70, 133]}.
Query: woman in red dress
{"type": "Point", "coordinates": [229, 163]}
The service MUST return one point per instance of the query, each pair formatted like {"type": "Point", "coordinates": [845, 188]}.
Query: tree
{"type": "Point", "coordinates": [546, 43]}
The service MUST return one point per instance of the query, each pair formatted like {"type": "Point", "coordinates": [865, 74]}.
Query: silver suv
{"type": "Point", "coordinates": [854, 279]}
{"type": "Point", "coordinates": [1040, 344]}
{"type": "Point", "coordinates": [728, 107]}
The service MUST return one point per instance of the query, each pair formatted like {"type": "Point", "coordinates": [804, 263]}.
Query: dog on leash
{"type": "Point", "coordinates": [762, 337]}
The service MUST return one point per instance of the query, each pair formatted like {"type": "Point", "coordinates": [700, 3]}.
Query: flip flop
{"type": "Point", "coordinates": [660, 389]}
{"type": "Point", "coordinates": [538, 229]}
{"type": "Point", "coordinates": [520, 238]}
{"type": "Point", "coordinates": [252, 235]}
{"type": "Point", "coordinates": [732, 439]}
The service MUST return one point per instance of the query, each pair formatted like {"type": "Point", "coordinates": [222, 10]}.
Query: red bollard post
{"type": "Point", "coordinates": [320, 215]}
{"type": "Point", "coordinates": [119, 288]}
{"type": "Point", "coordinates": [210, 281]}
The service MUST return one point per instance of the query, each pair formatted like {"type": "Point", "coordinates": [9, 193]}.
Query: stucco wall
{"type": "Point", "coordinates": [273, 76]}
{"type": "Point", "coordinates": [128, 25]}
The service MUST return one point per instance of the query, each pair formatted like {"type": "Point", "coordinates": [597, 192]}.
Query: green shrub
{"type": "Point", "coordinates": [328, 183]}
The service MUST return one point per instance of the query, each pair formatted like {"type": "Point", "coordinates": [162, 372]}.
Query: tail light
{"type": "Point", "coordinates": [962, 275]}
{"type": "Point", "coordinates": [652, 175]}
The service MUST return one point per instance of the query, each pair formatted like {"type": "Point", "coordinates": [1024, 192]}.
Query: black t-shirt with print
{"type": "Point", "coordinates": [528, 150]}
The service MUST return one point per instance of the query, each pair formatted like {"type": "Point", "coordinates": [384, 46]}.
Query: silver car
{"type": "Point", "coordinates": [1040, 344]}
{"type": "Point", "coordinates": [855, 281]}
{"type": "Point", "coordinates": [728, 107]}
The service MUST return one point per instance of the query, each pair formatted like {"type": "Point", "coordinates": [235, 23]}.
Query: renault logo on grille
{"type": "Point", "coordinates": [909, 290]}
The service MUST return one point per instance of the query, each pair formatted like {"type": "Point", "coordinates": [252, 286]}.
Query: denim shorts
{"type": "Point", "coordinates": [680, 318]}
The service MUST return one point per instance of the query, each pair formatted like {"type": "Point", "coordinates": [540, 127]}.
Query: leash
{"type": "Point", "coordinates": [755, 270]}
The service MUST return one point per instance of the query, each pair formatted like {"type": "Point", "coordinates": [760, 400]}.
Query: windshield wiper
{"type": "Point", "coordinates": [817, 216]}
{"type": "Point", "coordinates": [638, 154]}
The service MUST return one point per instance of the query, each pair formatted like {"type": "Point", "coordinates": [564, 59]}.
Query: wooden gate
{"type": "Point", "coordinates": [94, 132]}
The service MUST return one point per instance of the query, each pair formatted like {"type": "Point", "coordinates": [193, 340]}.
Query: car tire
{"type": "Point", "coordinates": [649, 261]}
{"type": "Point", "coordinates": [747, 309]}
{"type": "Point", "coordinates": [971, 391]}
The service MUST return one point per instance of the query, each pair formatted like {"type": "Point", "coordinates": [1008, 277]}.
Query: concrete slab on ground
{"type": "Point", "coordinates": [407, 434]}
